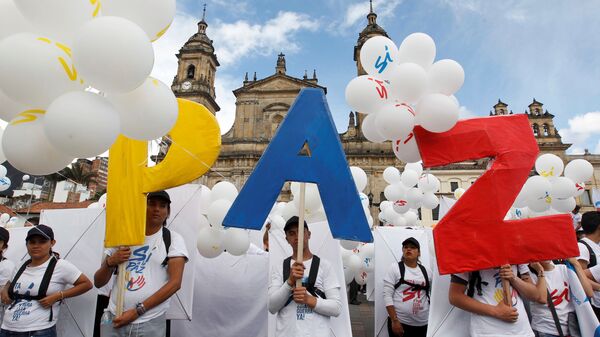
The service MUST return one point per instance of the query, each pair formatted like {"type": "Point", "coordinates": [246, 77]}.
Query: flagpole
{"type": "Point", "coordinates": [300, 256]}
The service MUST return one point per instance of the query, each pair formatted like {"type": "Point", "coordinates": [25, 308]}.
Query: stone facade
{"type": "Point", "coordinates": [261, 105]}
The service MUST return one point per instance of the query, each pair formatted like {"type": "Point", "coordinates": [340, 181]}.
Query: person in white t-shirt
{"type": "Point", "coordinates": [7, 268]}
{"type": "Point", "coordinates": [589, 251]}
{"type": "Point", "coordinates": [305, 310]}
{"type": "Point", "coordinates": [34, 294]}
{"type": "Point", "coordinates": [406, 298]}
{"type": "Point", "coordinates": [490, 316]}
{"type": "Point", "coordinates": [554, 280]}
{"type": "Point", "coordinates": [154, 275]}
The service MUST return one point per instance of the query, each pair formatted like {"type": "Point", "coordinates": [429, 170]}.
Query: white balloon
{"type": "Point", "coordinates": [360, 178]}
{"type": "Point", "coordinates": [4, 184]}
{"type": "Point", "coordinates": [401, 206]}
{"type": "Point", "coordinates": [4, 217]}
{"type": "Point", "coordinates": [367, 94]}
{"type": "Point", "coordinates": [34, 71]}
{"type": "Point", "coordinates": [385, 204]}
{"type": "Point", "coordinates": [408, 82]}
{"type": "Point", "coordinates": [459, 193]}
{"type": "Point", "coordinates": [580, 188]}
{"type": "Point", "coordinates": [113, 54]}
{"type": "Point", "coordinates": [400, 221]}
{"type": "Point", "coordinates": [391, 175]}
{"type": "Point", "coordinates": [203, 221]}
{"type": "Point", "coordinates": [11, 20]}
{"type": "Point", "coordinates": [406, 149]}
{"type": "Point", "coordinates": [549, 165]}
{"type": "Point", "coordinates": [94, 205]}
{"type": "Point", "coordinates": [205, 199]}
{"type": "Point", "coordinates": [153, 16]}
{"type": "Point", "coordinates": [521, 200]}
{"type": "Point", "coordinates": [429, 183]}
{"type": "Point", "coordinates": [148, 112]}
{"type": "Point", "coordinates": [579, 170]}
{"type": "Point", "coordinates": [217, 211]}
{"type": "Point", "coordinates": [102, 200]}
{"type": "Point", "coordinates": [395, 121]}
{"type": "Point", "coordinates": [409, 178]}
{"type": "Point", "coordinates": [209, 243]}
{"type": "Point", "coordinates": [81, 124]}
{"type": "Point", "coordinates": [289, 211]}
{"type": "Point", "coordinates": [59, 19]}
{"type": "Point", "coordinates": [27, 149]}
{"type": "Point", "coordinates": [2, 171]}
{"type": "Point", "coordinates": [370, 220]}
{"type": "Point", "coordinates": [417, 48]}
{"type": "Point", "coordinates": [277, 222]}
{"type": "Point", "coordinates": [563, 187]}
{"type": "Point", "coordinates": [414, 196]}
{"type": "Point", "coordinates": [348, 275]}
{"type": "Point", "coordinates": [537, 187]}
{"type": "Point", "coordinates": [26, 177]}
{"type": "Point", "coordinates": [446, 77]}
{"type": "Point", "coordinates": [539, 204]}
{"type": "Point", "coordinates": [349, 245]}
{"type": "Point", "coordinates": [312, 198]}
{"type": "Point", "coordinates": [394, 192]}
{"type": "Point", "coordinates": [417, 167]}
{"type": "Point", "coordinates": [378, 56]}
{"type": "Point", "coordinates": [370, 130]}
{"type": "Point", "coordinates": [236, 241]}
{"type": "Point", "coordinates": [364, 200]}
{"type": "Point", "coordinates": [367, 251]}
{"type": "Point", "coordinates": [437, 113]}
{"type": "Point", "coordinates": [563, 205]}
{"type": "Point", "coordinates": [389, 214]}
{"type": "Point", "coordinates": [9, 108]}
{"type": "Point", "coordinates": [411, 218]}
{"type": "Point", "coordinates": [361, 277]}
{"type": "Point", "coordinates": [224, 190]}
{"type": "Point", "coordinates": [430, 200]}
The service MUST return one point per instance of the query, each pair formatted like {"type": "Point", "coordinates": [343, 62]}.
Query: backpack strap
{"type": "Point", "coordinates": [286, 268]}
{"type": "Point", "coordinates": [593, 260]}
{"type": "Point", "coordinates": [402, 271]}
{"type": "Point", "coordinates": [43, 289]}
{"type": "Point", "coordinates": [427, 284]}
{"type": "Point", "coordinates": [554, 314]}
{"type": "Point", "coordinates": [166, 235]}
{"type": "Point", "coordinates": [11, 289]}
{"type": "Point", "coordinates": [312, 278]}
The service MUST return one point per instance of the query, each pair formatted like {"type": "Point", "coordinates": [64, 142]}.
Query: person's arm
{"type": "Point", "coordinates": [175, 267]}
{"type": "Point", "coordinates": [108, 265]}
{"type": "Point", "coordinates": [81, 286]}
{"type": "Point", "coordinates": [4, 294]}
{"type": "Point", "coordinates": [541, 286]}
{"type": "Point", "coordinates": [585, 283]}
{"type": "Point", "coordinates": [279, 291]}
{"type": "Point", "coordinates": [459, 299]}
{"type": "Point", "coordinates": [593, 275]}
{"type": "Point", "coordinates": [524, 285]}
{"type": "Point", "coordinates": [388, 292]}
{"type": "Point", "coordinates": [332, 306]}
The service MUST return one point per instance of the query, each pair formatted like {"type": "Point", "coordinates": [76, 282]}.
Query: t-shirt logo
{"type": "Point", "coordinates": [558, 298]}
{"type": "Point", "coordinates": [23, 306]}
{"type": "Point", "coordinates": [136, 265]}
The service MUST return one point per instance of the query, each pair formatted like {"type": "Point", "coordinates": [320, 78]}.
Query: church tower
{"type": "Point", "coordinates": [197, 65]}
{"type": "Point", "coordinates": [372, 29]}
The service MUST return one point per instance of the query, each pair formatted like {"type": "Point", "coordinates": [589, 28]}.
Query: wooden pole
{"type": "Point", "coordinates": [300, 256]}
{"type": "Point", "coordinates": [121, 278]}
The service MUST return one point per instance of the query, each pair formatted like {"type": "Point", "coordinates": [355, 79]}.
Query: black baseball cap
{"type": "Point", "coordinates": [411, 241]}
{"type": "Point", "coordinates": [293, 221]}
{"type": "Point", "coordinates": [4, 235]}
{"type": "Point", "coordinates": [40, 230]}
{"type": "Point", "coordinates": [590, 221]}
{"type": "Point", "coordinates": [159, 195]}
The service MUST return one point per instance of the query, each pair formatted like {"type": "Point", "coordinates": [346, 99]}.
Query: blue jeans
{"type": "Point", "coordinates": [541, 334]}
{"type": "Point", "coordinates": [50, 332]}
{"type": "Point", "coordinates": [156, 327]}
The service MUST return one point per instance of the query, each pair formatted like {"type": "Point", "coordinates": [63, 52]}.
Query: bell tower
{"type": "Point", "coordinates": [197, 65]}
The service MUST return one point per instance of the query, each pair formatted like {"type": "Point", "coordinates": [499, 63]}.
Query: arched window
{"type": "Point", "coordinates": [191, 71]}
{"type": "Point", "coordinates": [537, 111]}
{"type": "Point", "coordinates": [536, 130]}
{"type": "Point", "coordinates": [546, 130]}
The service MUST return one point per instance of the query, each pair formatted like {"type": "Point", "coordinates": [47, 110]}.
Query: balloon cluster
{"type": "Point", "coordinates": [358, 262]}
{"type": "Point", "coordinates": [55, 58]}
{"type": "Point", "coordinates": [4, 180]}
{"type": "Point", "coordinates": [406, 193]}
{"type": "Point", "coordinates": [404, 87]}
{"type": "Point", "coordinates": [549, 192]}
{"type": "Point", "coordinates": [213, 238]}
{"type": "Point", "coordinates": [7, 221]}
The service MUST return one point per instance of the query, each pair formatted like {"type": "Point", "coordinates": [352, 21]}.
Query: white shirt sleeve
{"type": "Point", "coordinates": [7, 270]}
{"type": "Point", "coordinates": [67, 271]}
{"type": "Point", "coordinates": [332, 306]}
{"type": "Point", "coordinates": [109, 251]}
{"type": "Point", "coordinates": [279, 291]}
{"type": "Point", "coordinates": [389, 281]}
{"type": "Point", "coordinates": [584, 253]}
{"type": "Point", "coordinates": [177, 248]}
{"type": "Point", "coordinates": [595, 270]}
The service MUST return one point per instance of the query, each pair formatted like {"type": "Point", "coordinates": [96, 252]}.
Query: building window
{"type": "Point", "coordinates": [191, 71]}
{"type": "Point", "coordinates": [585, 198]}
{"type": "Point", "coordinates": [435, 213]}
{"type": "Point", "coordinates": [453, 186]}
{"type": "Point", "coordinates": [537, 111]}
{"type": "Point", "coordinates": [546, 130]}
{"type": "Point", "coordinates": [536, 130]}
{"type": "Point", "coordinates": [382, 197]}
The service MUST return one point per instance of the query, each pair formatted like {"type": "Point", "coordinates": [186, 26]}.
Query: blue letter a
{"type": "Point", "coordinates": [307, 122]}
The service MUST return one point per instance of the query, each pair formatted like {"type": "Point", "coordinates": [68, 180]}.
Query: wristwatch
{"type": "Point", "coordinates": [140, 309]}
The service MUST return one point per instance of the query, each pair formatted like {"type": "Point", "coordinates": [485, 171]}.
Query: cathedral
{"type": "Point", "coordinates": [261, 105]}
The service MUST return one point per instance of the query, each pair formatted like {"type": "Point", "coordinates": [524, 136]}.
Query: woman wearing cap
{"type": "Point", "coordinates": [37, 288]}
{"type": "Point", "coordinates": [7, 268]}
{"type": "Point", "coordinates": [406, 290]}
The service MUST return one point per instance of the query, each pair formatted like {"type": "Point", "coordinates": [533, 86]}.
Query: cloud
{"type": "Point", "coordinates": [235, 41]}
{"type": "Point", "coordinates": [581, 129]}
{"type": "Point", "coordinates": [358, 11]}
{"type": "Point", "coordinates": [224, 85]}
{"type": "Point", "coordinates": [597, 149]}
{"type": "Point", "coordinates": [464, 113]}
